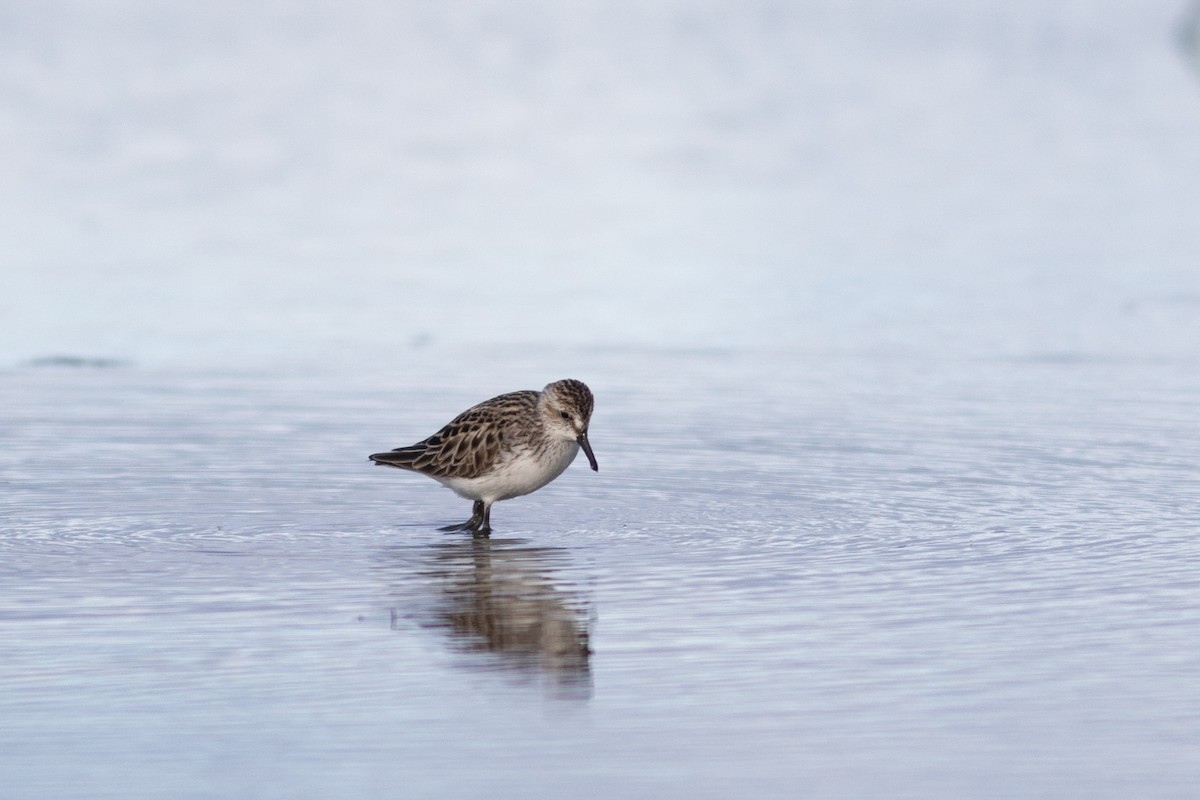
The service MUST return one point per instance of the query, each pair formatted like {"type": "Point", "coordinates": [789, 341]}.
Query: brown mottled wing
{"type": "Point", "coordinates": [470, 443]}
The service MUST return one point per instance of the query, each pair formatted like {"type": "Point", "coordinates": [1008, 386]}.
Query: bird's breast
{"type": "Point", "coordinates": [523, 471]}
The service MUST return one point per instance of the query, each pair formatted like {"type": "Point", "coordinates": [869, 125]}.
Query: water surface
{"type": "Point", "coordinates": [891, 312]}
{"type": "Point", "coordinates": [854, 583]}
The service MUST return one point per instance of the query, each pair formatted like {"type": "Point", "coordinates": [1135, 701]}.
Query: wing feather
{"type": "Point", "coordinates": [471, 443]}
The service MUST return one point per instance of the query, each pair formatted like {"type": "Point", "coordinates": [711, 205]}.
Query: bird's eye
{"type": "Point", "coordinates": [564, 415]}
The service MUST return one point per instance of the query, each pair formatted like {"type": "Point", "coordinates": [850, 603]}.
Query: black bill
{"type": "Point", "coordinates": [587, 449]}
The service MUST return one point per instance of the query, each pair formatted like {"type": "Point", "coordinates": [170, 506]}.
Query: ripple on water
{"type": "Point", "coordinates": [990, 567]}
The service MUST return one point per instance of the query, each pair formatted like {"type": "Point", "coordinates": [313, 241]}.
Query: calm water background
{"type": "Point", "coordinates": [893, 319]}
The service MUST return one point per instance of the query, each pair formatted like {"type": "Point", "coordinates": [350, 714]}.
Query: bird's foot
{"type": "Point", "coordinates": [469, 525]}
{"type": "Point", "coordinates": [474, 525]}
{"type": "Point", "coordinates": [479, 524]}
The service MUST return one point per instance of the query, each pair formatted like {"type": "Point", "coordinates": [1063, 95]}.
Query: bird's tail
{"type": "Point", "coordinates": [401, 457]}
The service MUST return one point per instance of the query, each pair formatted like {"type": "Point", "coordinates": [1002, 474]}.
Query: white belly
{"type": "Point", "coordinates": [520, 474]}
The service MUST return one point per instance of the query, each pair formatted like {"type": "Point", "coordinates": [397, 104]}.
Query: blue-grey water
{"type": "Point", "coordinates": [892, 315]}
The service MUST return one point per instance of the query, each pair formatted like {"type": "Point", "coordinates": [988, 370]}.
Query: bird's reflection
{"type": "Point", "coordinates": [506, 602]}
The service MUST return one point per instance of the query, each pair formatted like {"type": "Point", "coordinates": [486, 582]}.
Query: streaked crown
{"type": "Point", "coordinates": [572, 395]}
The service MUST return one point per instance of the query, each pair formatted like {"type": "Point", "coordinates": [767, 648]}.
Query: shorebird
{"type": "Point", "coordinates": [505, 447]}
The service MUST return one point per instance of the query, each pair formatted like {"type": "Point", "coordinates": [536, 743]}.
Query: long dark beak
{"type": "Point", "coordinates": [587, 449]}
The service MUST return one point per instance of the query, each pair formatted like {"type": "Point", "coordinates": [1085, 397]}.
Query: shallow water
{"type": "Point", "coordinates": [978, 581]}
{"type": "Point", "coordinates": [891, 312]}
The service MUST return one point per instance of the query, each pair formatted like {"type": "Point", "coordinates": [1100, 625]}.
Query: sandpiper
{"type": "Point", "coordinates": [505, 447]}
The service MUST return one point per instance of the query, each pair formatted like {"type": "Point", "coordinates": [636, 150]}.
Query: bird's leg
{"type": "Point", "coordinates": [478, 517]}
{"type": "Point", "coordinates": [484, 529]}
